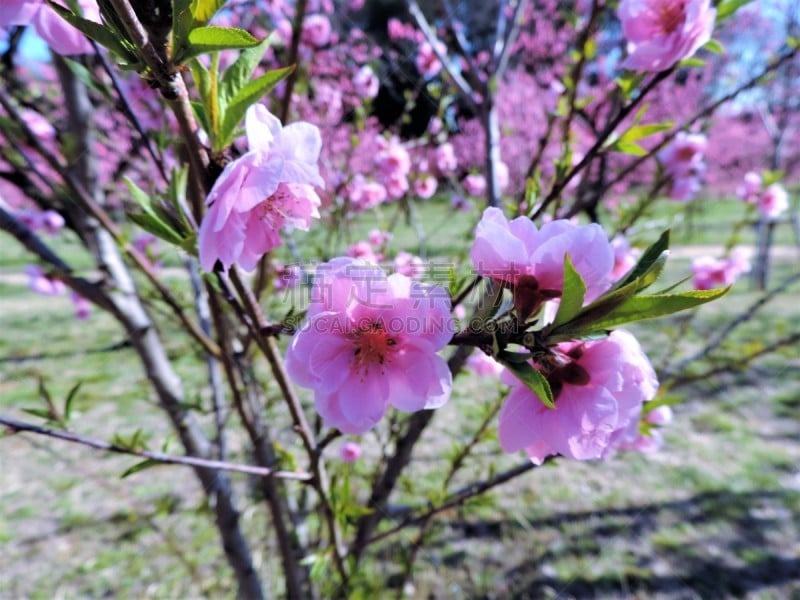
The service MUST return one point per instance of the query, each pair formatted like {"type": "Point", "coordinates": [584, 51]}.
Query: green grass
{"type": "Point", "coordinates": [718, 506]}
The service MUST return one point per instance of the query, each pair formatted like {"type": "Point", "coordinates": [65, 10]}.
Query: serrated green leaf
{"type": "Point", "coordinates": [248, 95]}
{"type": "Point", "coordinates": [649, 259]}
{"type": "Point", "coordinates": [214, 39]}
{"type": "Point", "coordinates": [573, 295]}
{"type": "Point", "coordinates": [584, 322]}
{"type": "Point", "coordinates": [532, 378]}
{"type": "Point", "coordinates": [640, 308]}
{"type": "Point", "coordinates": [140, 466]}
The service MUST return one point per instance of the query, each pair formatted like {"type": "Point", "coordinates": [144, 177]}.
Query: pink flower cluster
{"type": "Point", "coordinates": [599, 389]}
{"type": "Point", "coordinates": [394, 165]}
{"type": "Point", "coordinates": [771, 201]}
{"type": "Point", "coordinates": [371, 342]}
{"type": "Point", "coordinates": [709, 272]}
{"type": "Point", "coordinates": [265, 190]}
{"type": "Point", "coordinates": [663, 32]}
{"type": "Point", "coordinates": [683, 162]}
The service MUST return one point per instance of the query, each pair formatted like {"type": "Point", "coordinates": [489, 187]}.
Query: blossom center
{"type": "Point", "coordinates": [372, 345]}
{"type": "Point", "coordinates": [671, 15]}
{"type": "Point", "coordinates": [271, 209]}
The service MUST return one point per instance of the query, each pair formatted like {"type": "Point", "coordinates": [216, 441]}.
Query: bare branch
{"type": "Point", "coordinates": [168, 459]}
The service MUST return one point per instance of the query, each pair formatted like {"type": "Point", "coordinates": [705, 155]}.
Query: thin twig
{"type": "Point", "coordinates": [168, 459]}
{"type": "Point", "coordinates": [470, 491]}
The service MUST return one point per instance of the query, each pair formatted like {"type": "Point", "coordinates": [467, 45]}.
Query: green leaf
{"type": "Point", "coordinates": [692, 62]}
{"type": "Point", "coordinates": [649, 260]}
{"type": "Point", "coordinates": [203, 10]}
{"type": "Point", "coordinates": [71, 395]}
{"type": "Point", "coordinates": [239, 73]}
{"type": "Point", "coordinates": [97, 32]}
{"type": "Point", "coordinates": [628, 82]}
{"type": "Point", "coordinates": [642, 131]}
{"type": "Point", "coordinates": [39, 412]}
{"type": "Point", "coordinates": [631, 148]}
{"type": "Point", "coordinates": [533, 379]}
{"type": "Point", "coordinates": [727, 8]}
{"type": "Point", "coordinates": [140, 466]}
{"type": "Point", "coordinates": [150, 218]}
{"type": "Point", "coordinates": [573, 295]}
{"type": "Point", "coordinates": [715, 47]}
{"type": "Point", "coordinates": [245, 98]}
{"type": "Point", "coordinates": [156, 226]}
{"type": "Point", "coordinates": [640, 308]}
{"type": "Point", "coordinates": [769, 177]}
{"type": "Point", "coordinates": [213, 39]}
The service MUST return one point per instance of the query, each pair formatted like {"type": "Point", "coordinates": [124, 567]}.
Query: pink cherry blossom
{"type": "Point", "coordinates": [83, 308]}
{"type": "Point", "coordinates": [483, 365]}
{"type": "Point", "coordinates": [371, 342]}
{"type": "Point", "coordinates": [62, 37]}
{"type": "Point", "coordinates": [260, 193]}
{"type": "Point", "coordinates": [49, 221]}
{"type": "Point", "coordinates": [624, 257]}
{"type": "Point", "coordinates": [709, 272]}
{"type": "Point", "coordinates": [39, 126]}
{"type": "Point", "coordinates": [460, 204]}
{"type": "Point", "coordinates": [350, 452]}
{"type": "Point", "coordinates": [316, 31]}
{"type": "Point", "coordinates": [41, 283]}
{"type": "Point", "coordinates": [599, 388]}
{"type": "Point", "coordinates": [379, 238]}
{"type": "Point", "coordinates": [475, 184]}
{"type": "Point", "coordinates": [663, 32]}
{"type": "Point", "coordinates": [409, 265]}
{"type": "Point", "coordinates": [425, 186]}
{"type": "Point", "coordinates": [364, 194]}
{"type": "Point", "coordinates": [287, 277]}
{"type": "Point", "coordinates": [683, 161]}
{"type": "Point", "coordinates": [773, 201]}
{"type": "Point", "coordinates": [393, 159]}
{"type": "Point", "coordinates": [444, 157]}
{"type": "Point", "coordinates": [750, 188]}
{"type": "Point", "coordinates": [366, 83]}
{"type": "Point", "coordinates": [364, 251]}
{"type": "Point", "coordinates": [531, 260]}
{"type": "Point", "coordinates": [427, 62]}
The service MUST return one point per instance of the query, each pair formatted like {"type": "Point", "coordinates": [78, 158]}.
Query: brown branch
{"type": "Point", "coordinates": [168, 459]}
{"type": "Point", "coordinates": [626, 110]}
{"type": "Point", "coordinates": [81, 195]}
{"type": "Point", "coordinates": [470, 491]}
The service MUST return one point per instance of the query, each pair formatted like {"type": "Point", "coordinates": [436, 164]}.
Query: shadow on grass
{"type": "Point", "coordinates": [713, 544]}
